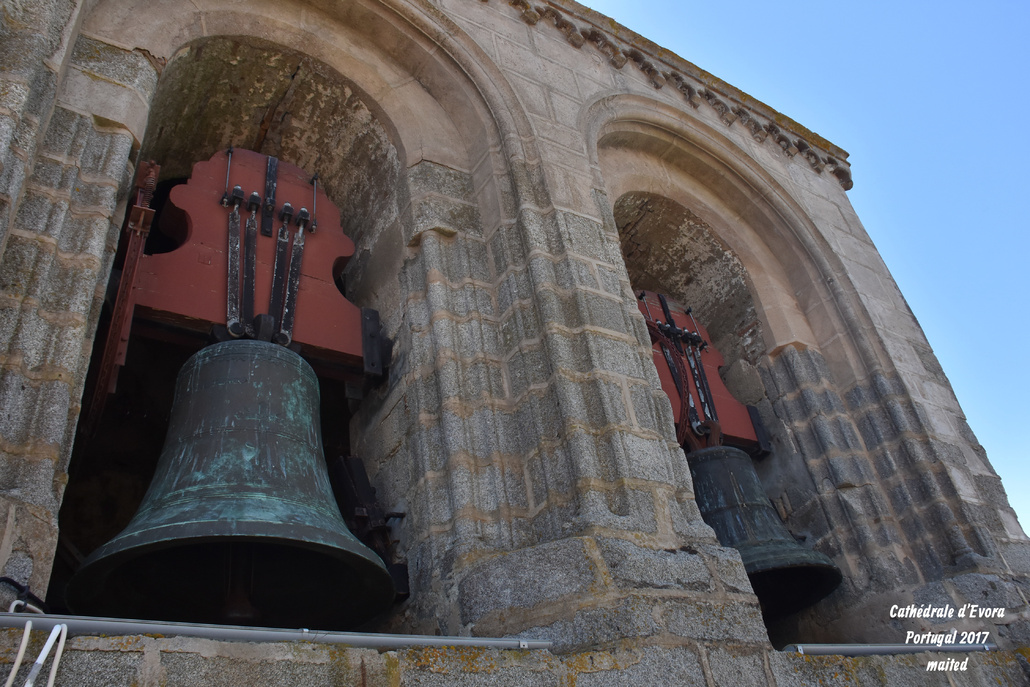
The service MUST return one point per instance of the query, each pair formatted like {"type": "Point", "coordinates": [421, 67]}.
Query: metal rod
{"type": "Point", "coordinates": [701, 382]}
{"type": "Point", "coordinates": [271, 181]}
{"type": "Point", "coordinates": [883, 649]}
{"type": "Point", "coordinates": [690, 314]}
{"type": "Point", "coordinates": [249, 274]}
{"type": "Point", "coordinates": [700, 349]}
{"type": "Point", "coordinates": [232, 307]}
{"type": "Point", "coordinates": [673, 329]}
{"type": "Point", "coordinates": [280, 267]}
{"type": "Point", "coordinates": [119, 627]}
{"type": "Point", "coordinates": [314, 205]}
{"type": "Point", "coordinates": [228, 166]}
{"type": "Point", "coordinates": [292, 285]}
{"type": "Point", "coordinates": [244, 300]}
{"type": "Point", "coordinates": [647, 307]}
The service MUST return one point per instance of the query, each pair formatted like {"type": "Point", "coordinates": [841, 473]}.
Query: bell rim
{"type": "Point", "coordinates": [98, 567]}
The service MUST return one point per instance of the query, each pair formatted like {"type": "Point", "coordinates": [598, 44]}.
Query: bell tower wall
{"type": "Point", "coordinates": [489, 158]}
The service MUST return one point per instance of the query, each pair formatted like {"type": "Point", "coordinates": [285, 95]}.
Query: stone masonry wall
{"type": "Point", "coordinates": [875, 492]}
{"type": "Point", "coordinates": [899, 491]}
{"type": "Point", "coordinates": [53, 273]}
{"type": "Point", "coordinates": [34, 41]}
{"type": "Point", "coordinates": [522, 429]}
{"type": "Point", "coordinates": [174, 661]}
{"type": "Point", "coordinates": [591, 532]}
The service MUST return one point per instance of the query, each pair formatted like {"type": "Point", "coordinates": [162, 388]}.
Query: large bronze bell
{"type": "Point", "coordinates": [239, 524]}
{"type": "Point", "coordinates": [786, 576]}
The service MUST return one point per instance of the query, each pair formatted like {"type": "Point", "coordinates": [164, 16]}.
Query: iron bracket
{"type": "Point", "coordinates": [376, 348]}
{"type": "Point", "coordinates": [366, 518]}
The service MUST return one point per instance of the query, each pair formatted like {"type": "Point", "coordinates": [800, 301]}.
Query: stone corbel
{"type": "Point", "coordinates": [657, 80]}
{"type": "Point", "coordinates": [752, 125]}
{"type": "Point", "coordinates": [572, 34]}
{"type": "Point", "coordinates": [610, 50]}
{"type": "Point", "coordinates": [781, 139]}
{"type": "Point", "coordinates": [719, 106]}
{"type": "Point", "coordinates": [683, 87]}
{"type": "Point", "coordinates": [809, 154]}
{"type": "Point", "coordinates": [842, 172]}
{"type": "Point", "coordinates": [529, 15]}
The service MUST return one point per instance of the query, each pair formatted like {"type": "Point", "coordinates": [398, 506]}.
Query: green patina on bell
{"type": "Point", "coordinates": [239, 524]}
{"type": "Point", "coordinates": [786, 576]}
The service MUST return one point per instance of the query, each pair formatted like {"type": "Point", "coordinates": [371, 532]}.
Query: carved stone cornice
{"type": "Point", "coordinates": [572, 34]}
{"type": "Point", "coordinates": [616, 57]}
{"type": "Point", "coordinates": [528, 14]}
{"type": "Point", "coordinates": [657, 79]}
{"type": "Point", "coordinates": [685, 88]}
{"type": "Point", "coordinates": [725, 114]}
{"type": "Point", "coordinates": [752, 124]}
{"type": "Point", "coordinates": [620, 45]}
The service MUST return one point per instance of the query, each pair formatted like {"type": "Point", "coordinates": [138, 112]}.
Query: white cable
{"type": "Point", "coordinates": [21, 653]}
{"type": "Point", "coordinates": [26, 607]}
{"type": "Point", "coordinates": [57, 655]}
{"type": "Point", "coordinates": [38, 665]}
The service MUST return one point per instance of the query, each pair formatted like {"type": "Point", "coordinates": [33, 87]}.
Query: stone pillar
{"type": "Point", "coordinates": [34, 42]}
{"type": "Point", "coordinates": [900, 510]}
{"type": "Point", "coordinates": [525, 434]}
{"type": "Point", "coordinates": [53, 275]}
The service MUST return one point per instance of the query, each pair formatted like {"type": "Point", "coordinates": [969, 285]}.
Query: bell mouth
{"type": "Point", "coordinates": [784, 587]}
{"type": "Point", "coordinates": [252, 581]}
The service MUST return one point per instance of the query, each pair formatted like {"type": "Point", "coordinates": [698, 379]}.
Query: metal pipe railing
{"type": "Point", "coordinates": [882, 649]}
{"type": "Point", "coordinates": [79, 625]}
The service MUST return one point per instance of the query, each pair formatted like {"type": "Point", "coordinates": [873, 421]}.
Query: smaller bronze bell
{"type": "Point", "coordinates": [786, 576]}
{"type": "Point", "coordinates": [239, 525]}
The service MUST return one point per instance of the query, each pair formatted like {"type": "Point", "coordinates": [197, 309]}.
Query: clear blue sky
{"type": "Point", "coordinates": [931, 101]}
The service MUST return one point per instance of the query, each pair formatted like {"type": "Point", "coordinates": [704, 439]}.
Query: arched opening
{"type": "Point", "coordinates": [449, 115]}
{"type": "Point", "coordinates": [246, 92]}
{"type": "Point", "coordinates": [699, 224]}
{"type": "Point", "coordinates": [669, 249]}
{"type": "Point", "coordinates": [215, 93]}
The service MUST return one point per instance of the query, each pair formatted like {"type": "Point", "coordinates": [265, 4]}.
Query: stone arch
{"type": "Point", "coordinates": [797, 277]}
{"type": "Point", "coordinates": [828, 382]}
{"type": "Point", "coordinates": [455, 122]}
{"type": "Point", "coordinates": [220, 91]}
{"type": "Point", "coordinates": [698, 181]}
{"type": "Point", "coordinates": [412, 65]}
{"type": "Point", "coordinates": [669, 249]}
{"type": "Point", "coordinates": [465, 165]}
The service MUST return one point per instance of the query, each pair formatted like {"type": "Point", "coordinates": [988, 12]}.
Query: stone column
{"type": "Point", "coordinates": [525, 434]}
{"type": "Point", "coordinates": [53, 276]}
{"type": "Point", "coordinates": [34, 42]}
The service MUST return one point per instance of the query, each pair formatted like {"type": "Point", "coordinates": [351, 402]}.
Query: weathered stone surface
{"type": "Point", "coordinates": [94, 668]}
{"type": "Point", "coordinates": [632, 567]}
{"type": "Point", "coordinates": [602, 625]}
{"type": "Point", "coordinates": [733, 619]}
{"type": "Point", "coordinates": [527, 578]}
{"type": "Point", "coordinates": [731, 666]}
{"type": "Point", "coordinates": [647, 666]}
{"type": "Point", "coordinates": [289, 668]}
{"type": "Point", "coordinates": [130, 69]}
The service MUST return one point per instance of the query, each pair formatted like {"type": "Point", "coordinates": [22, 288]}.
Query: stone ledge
{"type": "Point", "coordinates": [148, 661]}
